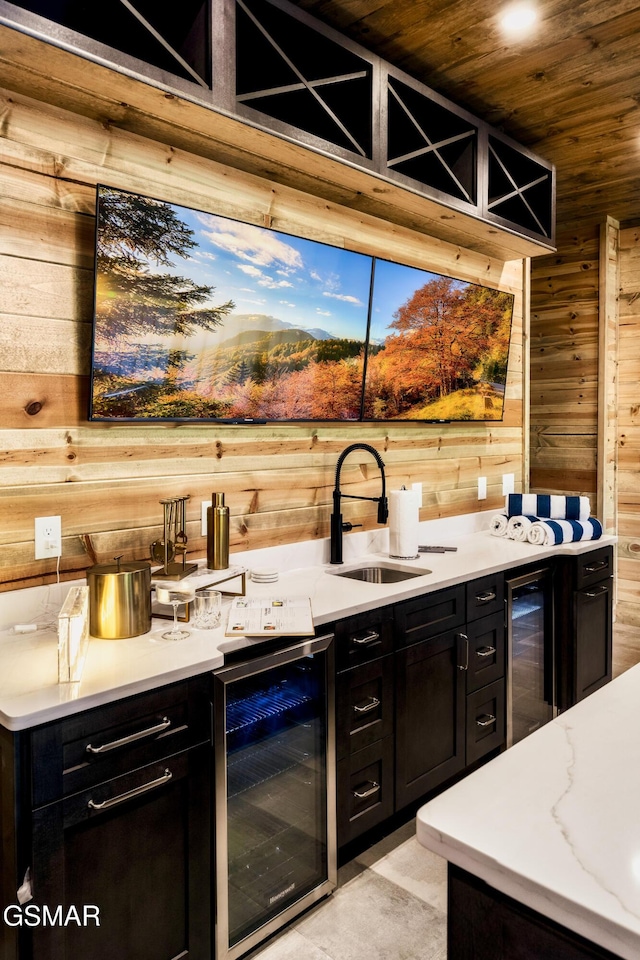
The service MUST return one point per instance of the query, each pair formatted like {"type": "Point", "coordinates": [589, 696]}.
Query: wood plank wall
{"type": "Point", "coordinates": [564, 367]}
{"type": "Point", "coordinates": [628, 435]}
{"type": "Point", "coordinates": [106, 480]}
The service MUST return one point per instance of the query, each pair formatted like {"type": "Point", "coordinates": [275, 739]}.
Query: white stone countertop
{"type": "Point", "coordinates": [554, 821]}
{"type": "Point", "coordinates": [30, 693]}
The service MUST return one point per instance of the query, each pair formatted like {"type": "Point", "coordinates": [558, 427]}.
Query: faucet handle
{"type": "Point", "coordinates": [346, 526]}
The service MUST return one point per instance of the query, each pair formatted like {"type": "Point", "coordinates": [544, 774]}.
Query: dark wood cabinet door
{"type": "Point", "coordinates": [593, 640]}
{"type": "Point", "coordinates": [486, 662]}
{"type": "Point", "coordinates": [364, 706]}
{"type": "Point", "coordinates": [430, 615]}
{"type": "Point", "coordinates": [430, 715]}
{"type": "Point", "coordinates": [137, 848]}
{"type": "Point", "coordinates": [365, 790]}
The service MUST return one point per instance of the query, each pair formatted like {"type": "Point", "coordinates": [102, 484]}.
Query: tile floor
{"type": "Point", "coordinates": [390, 904]}
{"type": "Point", "coordinates": [391, 900]}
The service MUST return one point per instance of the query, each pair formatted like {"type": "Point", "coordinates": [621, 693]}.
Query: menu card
{"type": "Point", "coordinates": [270, 617]}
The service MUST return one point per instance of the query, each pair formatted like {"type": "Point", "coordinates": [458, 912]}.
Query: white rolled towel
{"type": "Point", "coordinates": [498, 525]}
{"type": "Point", "coordinates": [518, 528]}
{"type": "Point", "coordinates": [552, 532]}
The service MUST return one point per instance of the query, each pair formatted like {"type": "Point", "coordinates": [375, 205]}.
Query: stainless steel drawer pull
{"type": "Point", "coordinates": [483, 652]}
{"type": "Point", "coordinates": [366, 638]}
{"type": "Point", "coordinates": [485, 720]}
{"type": "Point", "coordinates": [361, 793]}
{"type": "Point", "coordinates": [594, 567]}
{"type": "Point", "coordinates": [597, 591]}
{"type": "Point", "coordinates": [366, 705]}
{"type": "Point", "coordinates": [149, 732]}
{"type": "Point", "coordinates": [465, 665]}
{"type": "Point", "coordinates": [486, 597]}
{"type": "Point", "coordinates": [144, 788]}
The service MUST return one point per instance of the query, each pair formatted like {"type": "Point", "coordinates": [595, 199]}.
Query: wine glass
{"type": "Point", "coordinates": [175, 594]}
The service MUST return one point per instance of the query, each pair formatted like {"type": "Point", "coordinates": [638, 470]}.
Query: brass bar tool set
{"type": "Point", "coordinates": [173, 543]}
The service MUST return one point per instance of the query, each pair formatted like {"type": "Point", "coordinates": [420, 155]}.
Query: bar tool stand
{"type": "Point", "coordinates": [173, 543]}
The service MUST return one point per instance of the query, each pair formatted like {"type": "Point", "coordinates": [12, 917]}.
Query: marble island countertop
{"type": "Point", "coordinates": [553, 822]}
{"type": "Point", "coordinates": [30, 693]}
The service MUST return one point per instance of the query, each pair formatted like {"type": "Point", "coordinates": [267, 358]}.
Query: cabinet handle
{"type": "Point", "coordinates": [594, 567]}
{"type": "Point", "coordinates": [465, 665]}
{"type": "Point", "coordinates": [483, 652]}
{"type": "Point", "coordinates": [486, 597]}
{"type": "Point", "coordinates": [366, 706]}
{"type": "Point", "coordinates": [103, 748]}
{"type": "Point", "coordinates": [144, 788]}
{"type": "Point", "coordinates": [366, 638]}
{"type": "Point", "coordinates": [485, 720]}
{"type": "Point", "coordinates": [597, 591]}
{"type": "Point", "coordinates": [360, 793]}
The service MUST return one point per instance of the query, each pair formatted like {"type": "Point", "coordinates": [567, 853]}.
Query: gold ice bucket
{"type": "Point", "coordinates": [119, 599]}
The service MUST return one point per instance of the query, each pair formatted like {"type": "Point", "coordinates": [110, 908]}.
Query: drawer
{"type": "Point", "coordinates": [594, 566]}
{"type": "Point", "coordinates": [430, 615]}
{"type": "Point", "coordinates": [486, 660]}
{"type": "Point", "coordinates": [365, 790]}
{"type": "Point", "coordinates": [364, 705]}
{"type": "Point", "coordinates": [97, 745]}
{"type": "Point", "coordinates": [363, 637]}
{"type": "Point", "coordinates": [486, 720]}
{"type": "Point", "coordinates": [485, 596]}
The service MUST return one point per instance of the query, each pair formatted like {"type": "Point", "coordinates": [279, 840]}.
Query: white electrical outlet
{"type": "Point", "coordinates": [203, 521]}
{"type": "Point", "coordinates": [48, 537]}
{"type": "Point", "coordinates": [508, 483]}
{"type": "Point", "coordinates": [482, 488]}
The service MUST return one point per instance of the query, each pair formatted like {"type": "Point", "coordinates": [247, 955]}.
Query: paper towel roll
{"type": "Point", "coordinates": [404, 517]}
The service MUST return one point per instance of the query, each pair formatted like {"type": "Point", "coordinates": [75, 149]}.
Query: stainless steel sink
{"type": "Point", "coordinates": [380, 573]}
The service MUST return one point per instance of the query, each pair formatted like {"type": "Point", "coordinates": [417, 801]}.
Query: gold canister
{"type": "Point", "coordinates": [217, 533]}
{"type": "Point", "coordinates": [119, 599]}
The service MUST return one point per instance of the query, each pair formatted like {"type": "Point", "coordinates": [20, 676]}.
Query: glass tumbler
{"type": "Point", "coordinates": [207, 607]}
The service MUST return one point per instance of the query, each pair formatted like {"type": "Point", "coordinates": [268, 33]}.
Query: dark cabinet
{"type": "Point", "coordinates": [114, 816]}
{"type": "Point", "coordinates": [486, 924]}
{"type": "Point", "coordinates": [134, 848]}
{"type": "Point", "coordinates": [486, 720]}
{"type": "Point", "coordinates": [410, 721]}
{"type": "Point", "coordinates": [430, 715]}
{"type": "Point", "coordinates": [450, 688]}
{"type": "Point", "coordinates": [364, 722]}
{"type": "Point", "coordinates": [593, 654]}
{"type": "Point", "coordinates": [584, 624]}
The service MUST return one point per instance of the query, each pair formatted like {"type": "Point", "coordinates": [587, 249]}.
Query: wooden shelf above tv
{"type": "Point", "coordinates": [38, 69]}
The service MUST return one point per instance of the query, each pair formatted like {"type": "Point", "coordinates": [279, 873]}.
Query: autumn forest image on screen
{"type": "Point", "coordinates": [201, 317]}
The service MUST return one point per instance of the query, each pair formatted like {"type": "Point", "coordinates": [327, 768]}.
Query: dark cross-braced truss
{"type": "Point", "coordinates": [431, 146]}
{"type": "Point", "coordinates": [303, 83]}
{"type": "Point", "coordinates": [518, 191]}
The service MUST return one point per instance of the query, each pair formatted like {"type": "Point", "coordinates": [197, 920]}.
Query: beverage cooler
{"type": "Point", "coordinates": [274, 741]}
{"type": "Point", "coordinates": [531, 666]}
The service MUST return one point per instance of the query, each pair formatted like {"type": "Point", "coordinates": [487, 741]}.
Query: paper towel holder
{"type": "Point", "coordinates": [395, 551]}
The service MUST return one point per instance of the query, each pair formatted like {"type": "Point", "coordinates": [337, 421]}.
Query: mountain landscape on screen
{"type": "Point", "coordinates": [199, 317]}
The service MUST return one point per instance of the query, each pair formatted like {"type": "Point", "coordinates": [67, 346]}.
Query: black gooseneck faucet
{"type": "Point", "coordinates": [337, 526]}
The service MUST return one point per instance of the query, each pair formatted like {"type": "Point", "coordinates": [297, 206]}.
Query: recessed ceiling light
{"type": "Point", "coordinates": [519, 19]}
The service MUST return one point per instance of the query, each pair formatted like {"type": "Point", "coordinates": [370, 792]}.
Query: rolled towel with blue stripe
{"type": "Point", "coordinates": [547, 506]}
{"type": "Point", "coordinates": [498, 525]}
{"type": "Point", "coordinates": [552, 532]}
{"type": "Point", "coordinates": [518, 527]}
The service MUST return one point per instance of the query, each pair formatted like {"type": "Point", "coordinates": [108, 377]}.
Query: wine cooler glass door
{"type": "Point", "coordinates": [275, 791]}
{"type": "Point", "coordinates": [531, 697]}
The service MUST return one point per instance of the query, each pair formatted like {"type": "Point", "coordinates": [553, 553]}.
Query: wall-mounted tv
{"type": "Point", "coordinates": [199, 317]}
